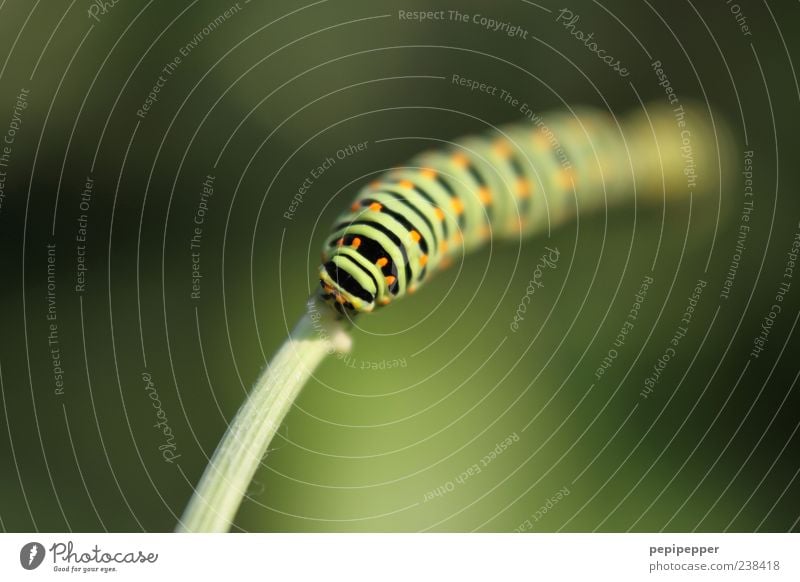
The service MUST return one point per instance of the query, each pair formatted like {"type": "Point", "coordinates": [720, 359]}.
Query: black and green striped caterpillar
{"type": "Point", "coordinates": [508, 183]}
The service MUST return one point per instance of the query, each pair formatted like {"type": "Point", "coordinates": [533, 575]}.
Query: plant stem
{"type": "Point", "coordinates": [237, 457]}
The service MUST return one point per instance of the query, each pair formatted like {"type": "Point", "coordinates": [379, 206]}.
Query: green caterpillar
{"type": "Point", "coordinates": [508, 183]}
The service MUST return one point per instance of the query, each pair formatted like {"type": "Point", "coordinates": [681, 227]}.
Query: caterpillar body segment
{"type": "Point", "coordinates": [514, 181]}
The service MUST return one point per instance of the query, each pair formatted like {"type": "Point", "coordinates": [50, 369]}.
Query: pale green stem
{"type": "Point", "coordinates": [227, 476]}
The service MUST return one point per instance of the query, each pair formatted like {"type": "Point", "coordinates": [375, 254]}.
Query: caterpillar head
{"type": "Point", "coordinates": [346, 287]}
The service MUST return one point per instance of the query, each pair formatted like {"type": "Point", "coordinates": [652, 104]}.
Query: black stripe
{"type": "Point", "coordinates": [430, 199]}
{"type": "Point", "coordinates": [488, 208]}
{"type": "Point", "coordinates": [446, 185]}
{"type": "Point", "coordinates": [476, 175]}
{"type": "Point", "coordinates": [516, 167]}
{"type": "Point", "coordinates": [371, 250]}
{"type": "Point", "coordinates": [567, 157]}
{"type": "Point", "coordinates": [364, 269]}
{"type": "Point", "coordinates": [407, 202]}
{"type": "Point", "coordinates": [390, 235]}
{"type": "Point", "coordinates": [405, 223]}
{"type": "Point", "coordinates": [347, 282]}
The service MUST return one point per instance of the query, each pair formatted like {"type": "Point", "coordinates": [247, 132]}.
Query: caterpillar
{"type": "Point", "coordinates": [511, 182]}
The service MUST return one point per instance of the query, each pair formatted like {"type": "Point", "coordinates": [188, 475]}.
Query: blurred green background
{"type": "Point", "coordinates": [257, 101]}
